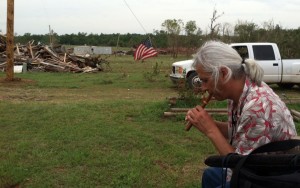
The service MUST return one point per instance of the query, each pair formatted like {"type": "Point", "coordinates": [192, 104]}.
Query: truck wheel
{"type": "Point", "coordinates": [286, 86]}
{"type": "Point", "coordinates": [194, 80]}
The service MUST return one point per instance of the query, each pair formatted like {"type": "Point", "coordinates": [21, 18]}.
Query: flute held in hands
{"type": "Point", "coordinates": [189, 125]}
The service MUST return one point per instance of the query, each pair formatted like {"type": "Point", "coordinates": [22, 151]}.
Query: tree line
{"type": "Point", "coordinates": [176, 35]}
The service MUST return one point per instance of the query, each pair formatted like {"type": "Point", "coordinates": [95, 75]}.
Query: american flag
{"type": "Point", "coordinates": [144, 50]}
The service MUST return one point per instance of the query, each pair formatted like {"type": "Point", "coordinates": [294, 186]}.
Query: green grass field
{"type": "Point", "coordinates": [101, 129]}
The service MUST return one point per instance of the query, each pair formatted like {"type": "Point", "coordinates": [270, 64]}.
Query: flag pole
{"type": "Point", "coordinates": [150, 40]}
{"type": "Point", "coordinates": [135, 16]}
{"type": "Point", "coordinates": [142, 52]}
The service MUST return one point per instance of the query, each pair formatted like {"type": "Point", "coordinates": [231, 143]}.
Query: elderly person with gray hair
{"type": "Point", "coordinates": [256, 115]}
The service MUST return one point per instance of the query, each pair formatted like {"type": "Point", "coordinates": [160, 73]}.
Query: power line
{"type": "Point", "coordinates": [135, 17]}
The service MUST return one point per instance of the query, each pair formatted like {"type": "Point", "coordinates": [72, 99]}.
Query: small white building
{"type": "Point", "coordinates": [98, 50]}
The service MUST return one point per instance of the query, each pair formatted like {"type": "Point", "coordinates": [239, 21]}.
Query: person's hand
{"type": "Point", "coordinates": [201, 120]}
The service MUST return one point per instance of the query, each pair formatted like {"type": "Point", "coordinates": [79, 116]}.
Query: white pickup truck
{"type": "Point", "coordinates": [284, 72]}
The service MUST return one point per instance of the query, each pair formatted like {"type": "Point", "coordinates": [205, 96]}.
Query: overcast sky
{"type": "Point", "coordinates": [141, 16]}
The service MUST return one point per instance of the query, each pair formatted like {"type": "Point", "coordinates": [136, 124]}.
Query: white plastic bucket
{"type": "Point", "coordinates": [18, 68]}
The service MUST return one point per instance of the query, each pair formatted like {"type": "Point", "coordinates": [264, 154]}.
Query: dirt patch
{"type": "Point", "coordinates": [11, 93]}
{"type": "Point", "coordinates": [18, 90]}
{"type": "Point", "coordinates": [15, 81]}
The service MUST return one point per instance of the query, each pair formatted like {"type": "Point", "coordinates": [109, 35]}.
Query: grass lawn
{"type": "Point", "coordinates": [101, 129]}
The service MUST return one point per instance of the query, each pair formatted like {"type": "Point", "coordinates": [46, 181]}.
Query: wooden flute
{"type": "Point", "coordinates": [189, 125]}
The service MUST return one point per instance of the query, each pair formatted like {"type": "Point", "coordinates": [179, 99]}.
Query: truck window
{"type": "Point", "coordinates": [242, 50]}
{"type": "Point", "coordinates": [263, 52]}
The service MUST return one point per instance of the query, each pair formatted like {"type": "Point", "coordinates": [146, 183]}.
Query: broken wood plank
{"type": "Point", "coordinates": [296, 118]}
{"type": "Point", "coordinates": [50, 64]}
{"type": "Point", "coordinates": [295, 113]}
{"type": "Point", "coordinates": [173, 114]}
{"type": "Point", "coordinates": [51, 52]}
{"type": "Point", "coordinates": [65, 56]}
{"type": "Point", "coordinates": [18, 50]}
{"type": "Point", "coordinates": [30, 49]}
{"type": "Point", "coordinates": [207, 109]}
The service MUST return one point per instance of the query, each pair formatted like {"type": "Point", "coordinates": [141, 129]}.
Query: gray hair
{"type": "Point", "coordinates": [214, 54]}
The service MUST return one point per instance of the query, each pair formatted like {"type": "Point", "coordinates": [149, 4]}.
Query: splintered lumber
{"type": "Point", "coordinates": [172, 100]}
{"type": "Point", "coordinates": [291, 100]}
{"type": "Point", "coordinates": [41, 57]}
{"type": "Point", "coordinates": [172, 114]}
{"type": "Point", "coordinates": [30, 49]}
{"type": "Point", "coordinates": [60, 67]}
{"type": "Point", "coordinates": [65, 56]}
{"type": "Point", "coordinates": [90, 69]}
{"type": "Point", "coordinates": [208, 109]}
{"type": "Point", "coordinates": [295, 113]}
{"type": "Point", "coordinates": [2, 64]}
{"type": "Point", "coordinates": [51, 52]}
{"type": "Point", "coordinates": [52, 65]}
{"type": "Point", "coordinates": [18, 50]}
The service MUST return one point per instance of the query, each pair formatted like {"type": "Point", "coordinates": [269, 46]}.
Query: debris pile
{"type": "Point", "coordinates": [39, 57]}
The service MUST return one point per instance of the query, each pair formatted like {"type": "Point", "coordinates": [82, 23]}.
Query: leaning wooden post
{"type": "Point", "coordinates": [10, 41]}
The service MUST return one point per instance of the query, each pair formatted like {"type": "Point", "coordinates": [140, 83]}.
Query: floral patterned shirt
{"type": "Point", "coordinates": [260, 117]}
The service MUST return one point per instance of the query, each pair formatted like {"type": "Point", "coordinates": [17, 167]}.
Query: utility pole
{"type": "Point", "coordinates": [50, 36]}
{"type": "Point", "coordinates": [118, 42]}
{"type": "Point", "coordinates": [10, 41]}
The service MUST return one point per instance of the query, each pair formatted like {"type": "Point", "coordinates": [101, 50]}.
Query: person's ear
{"type": "Point", "coordinates": [223, 73]}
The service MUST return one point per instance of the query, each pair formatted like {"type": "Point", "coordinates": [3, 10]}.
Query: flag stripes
{"type": "Point", "coordinates": [144, 50]}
